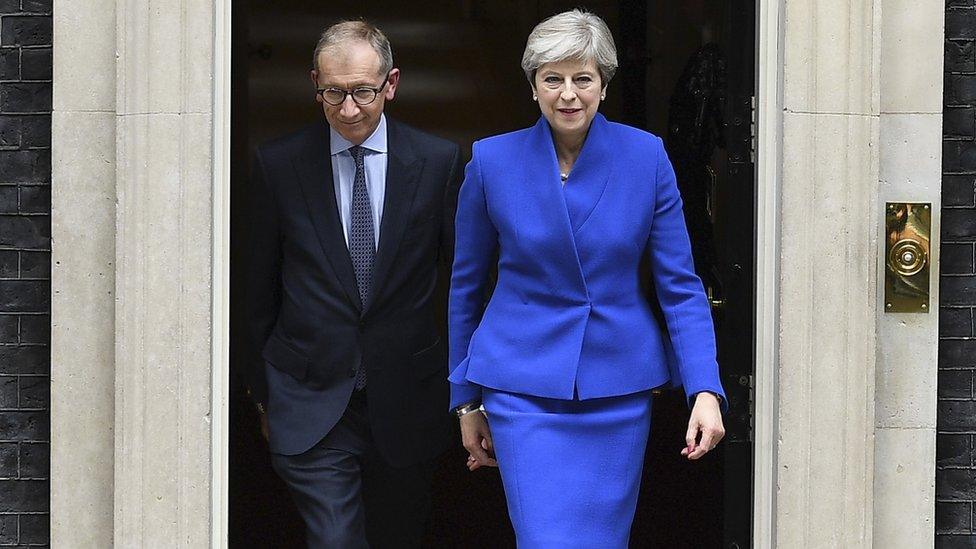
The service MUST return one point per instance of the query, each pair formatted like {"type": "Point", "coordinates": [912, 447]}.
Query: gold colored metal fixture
{"type": "Point", "coordinates": [908, 227]}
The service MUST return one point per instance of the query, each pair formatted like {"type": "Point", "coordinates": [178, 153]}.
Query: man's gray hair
{"type": "Point", "coordinates": [577, 35]}
{"type": "Point", "coordinates": [345, 32]}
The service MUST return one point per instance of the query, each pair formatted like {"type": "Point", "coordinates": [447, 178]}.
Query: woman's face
{"type": "Point", "coordinates": [569, 94]}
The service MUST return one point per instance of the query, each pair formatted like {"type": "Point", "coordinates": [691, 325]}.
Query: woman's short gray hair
{"type": "Point", "coordinates": [344, 32]}
{"type": "Point", "coordinates": [575, 34]}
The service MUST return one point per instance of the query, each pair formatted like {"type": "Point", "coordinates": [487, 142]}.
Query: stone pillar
{"type": "Point", "coordinates": [133, 232]}
{"type": "Point", "coordinates": [828, 274]}
{"type": "Point", "coordinates": [163, 282]}
{"type": "Point", "coordinates": [906, 377]}
{"type": "Point", "coordinates": [83, 275]}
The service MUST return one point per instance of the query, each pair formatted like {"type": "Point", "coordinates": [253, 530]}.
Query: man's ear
{"type": "Point", "coordinates": [314, 75]}
{"type": "Point", "coordinates": [391, 84]}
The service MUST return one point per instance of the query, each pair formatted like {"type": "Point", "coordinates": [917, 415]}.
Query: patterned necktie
{"type": "Point", "coordinates": [361, 240]}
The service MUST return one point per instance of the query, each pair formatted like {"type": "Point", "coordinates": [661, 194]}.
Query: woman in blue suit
{"type": "Point", "coordinates": [564, 355]}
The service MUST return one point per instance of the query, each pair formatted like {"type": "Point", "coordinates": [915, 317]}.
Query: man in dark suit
{"type": "Point", "coordinates": [352, 216]}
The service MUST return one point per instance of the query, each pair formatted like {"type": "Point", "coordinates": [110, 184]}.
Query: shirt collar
{"type": "Point", "coordinates": [376, 142]}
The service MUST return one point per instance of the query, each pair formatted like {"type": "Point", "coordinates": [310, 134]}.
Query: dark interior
{"type": "Point", "coordinates": [686, 74]}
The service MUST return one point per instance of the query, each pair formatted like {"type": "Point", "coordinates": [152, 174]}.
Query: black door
{"type": "Point", "coordinates": [461, 79]}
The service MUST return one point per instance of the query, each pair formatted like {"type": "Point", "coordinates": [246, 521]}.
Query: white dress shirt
{"type": "Point", "coordinates": [344, 175]}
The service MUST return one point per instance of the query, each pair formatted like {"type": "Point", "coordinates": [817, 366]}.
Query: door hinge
{"type": "Point", "coordinates": [749, 383]}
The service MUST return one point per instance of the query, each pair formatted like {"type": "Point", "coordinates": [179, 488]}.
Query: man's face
{"type": "Point", "coordinates": [350, 66]}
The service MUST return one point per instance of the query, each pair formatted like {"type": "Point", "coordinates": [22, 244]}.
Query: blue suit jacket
{"type": "Point", "coordinates": [567, 316]}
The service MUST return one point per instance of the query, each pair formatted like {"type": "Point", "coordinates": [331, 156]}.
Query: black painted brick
{"type": "Point", "coordinates": [25, 295]}
{"type": "Point", "coordinates": [957, 353]}
{"type": "Point", "coordinates": [32, 166]}
{"type": "Point", "coordinates": [25, 359]}
{"type": "Point", "coordinates": [959, 122]}
{"type": "Point", "coordinates": [25, 426]}
{"type": "Point", "coordinates": [25, 31]}
{"type": "Point", "coordinates": [35, 392]}
{"type": "Point", "coordinates": [25, 97]}
{"type": "Point", "coordinates": [11, 129]}
{"type": "Point", "coordinates": [959, 24]}
{"type": "Point", "coordinates": [956, 416]}
{"type": "Point", "coordinates": [959, 56]}
{"type": "Point", "coordinates": [8, 392]}
{"type": "Point", "coordinates": [32, 232]}
{"type": "Point", "coordinates": [24, 495]}
{"type": "Point", "coordinates": [9, 329]}
{"type": "Point", "coordinates": [953, 450]}
{"type": "Point", "coordinates": [954, 517]}
{"type": "Point", "coordinates": [35, 329]}
{"type": "Point", "coordinates": [35, 460]}
{"type": "Point", "coordinates": [35, 199]}
{"type": "Point", "coordinates": [959, 156]}
{"type": "Point", "coordinates": [35, 130]}
{"type": "Point", "coordinates": [9, 260]}
{"type": "Point", "coordinates": [36, 64]}
{"type": "Point", "coordinates": [959, 225]}
{"type": "Point", "coordinates": [8, 529]}
{"type": "Point", "coordinates": [34, 529]}
{"type": "Point", "coordinates": [25, 268]}
{"type": "Point", "coordinates": [37, 6]}
{"type": "Point", "coordinates": [9, 63]}
{"type": "Point", "coordinates": [956, 384]}
{"type": "Point", "coordinates": [35, 264]}
{"type": "Point", "coordinates": [959, 290]}
{"type": "Point", "coordinates": [8, 200]}
{"type": "Point", "coordinates": [960, 89]}
{"type": "Point", "coordinates": [959, 191]}
{"type": "Point", "coordinates": [955, 484]}
{"type": "Point", "coordinates": [956, 322]}
{"type": "Point", "coordinates": [958, 258]}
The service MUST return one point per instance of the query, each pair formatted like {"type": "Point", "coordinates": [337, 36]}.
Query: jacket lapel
{"type": "Point", "coordinates": [403, 169]}
{"type": "Point", "coordinates": [590, 174]}
{"type": "Point", "coordinates": [542, 209]}
{"type": "Point", "coordinates": [314, 168]}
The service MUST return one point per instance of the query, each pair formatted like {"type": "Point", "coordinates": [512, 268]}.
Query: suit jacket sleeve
{"type": "Point", "coordinates": [446, 249]}
{"type": "Point", "coordinates": [679, 290]}
{"type": "Point", "coordinates": [474, 254]}
{"type": "Point", "coordinates": [263, 280]}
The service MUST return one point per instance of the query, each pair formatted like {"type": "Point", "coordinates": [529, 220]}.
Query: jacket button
{"type": "Point", "coordinates": [352, 372]}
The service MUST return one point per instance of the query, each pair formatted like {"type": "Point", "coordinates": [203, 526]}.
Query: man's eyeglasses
{"type": "Point", "coordinates": [362, 96]}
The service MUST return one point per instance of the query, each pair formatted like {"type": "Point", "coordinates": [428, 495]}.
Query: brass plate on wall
{"type": "Point", "coordinates": [908, 226]}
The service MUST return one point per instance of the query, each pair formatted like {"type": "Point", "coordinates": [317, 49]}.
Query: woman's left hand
{"type": "Point", "coordinates": [706, 418]}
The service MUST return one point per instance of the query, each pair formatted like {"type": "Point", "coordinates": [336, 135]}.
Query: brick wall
{"type": "Point", "coordinates": [25, 270]}
{"type": "Point", "coordinates": [956, 458]}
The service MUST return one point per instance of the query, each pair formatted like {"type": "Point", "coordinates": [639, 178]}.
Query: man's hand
{"type": "Point", "coordinates": [476, 438]}
{"type": "Point", "coordinates": [706, 417]}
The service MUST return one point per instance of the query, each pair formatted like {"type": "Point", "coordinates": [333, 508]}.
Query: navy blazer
{"type": "Point", "coordinates": [567, 317]}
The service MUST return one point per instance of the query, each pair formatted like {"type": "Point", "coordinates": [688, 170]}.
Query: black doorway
{"type": "Point", "coordinates": [461, 80]}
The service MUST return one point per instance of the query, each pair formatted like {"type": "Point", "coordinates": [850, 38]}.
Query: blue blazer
{"type": "Point", "coordinates": [567, 317]}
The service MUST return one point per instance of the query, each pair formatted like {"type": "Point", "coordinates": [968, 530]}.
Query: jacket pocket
{"type": "Point", "coordinates": [284, 357]}
{"type": "Point", "coordinates": [430, 360]}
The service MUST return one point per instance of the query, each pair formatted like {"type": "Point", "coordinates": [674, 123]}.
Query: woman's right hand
{"type": "Point", "coordinates": [476, 438]}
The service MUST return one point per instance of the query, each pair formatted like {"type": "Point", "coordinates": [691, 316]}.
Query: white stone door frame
{"type": "Point", "coordinates": [220, 372]}
{"type": "Point", "coordinates": [769, 137]}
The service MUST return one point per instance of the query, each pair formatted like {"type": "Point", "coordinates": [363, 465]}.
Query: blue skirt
{"type": "Point", "coordinates": [571, 469]}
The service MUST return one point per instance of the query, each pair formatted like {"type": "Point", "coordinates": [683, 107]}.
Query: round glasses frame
{"type": "Point", "coordinates": [362, 96]}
